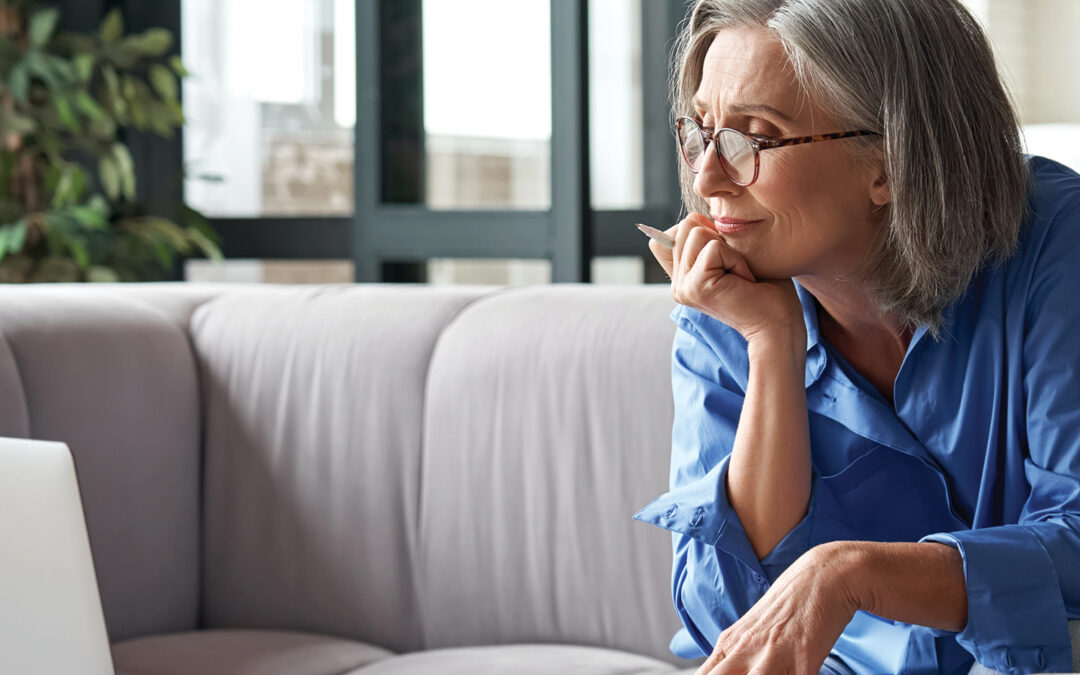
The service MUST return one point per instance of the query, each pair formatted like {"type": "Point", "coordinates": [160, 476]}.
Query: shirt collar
{"type": "Point", "coordinates": [815, 351]}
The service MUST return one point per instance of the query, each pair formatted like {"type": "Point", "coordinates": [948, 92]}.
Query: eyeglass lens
{"type": "Point", "coordinates": [736, 151]}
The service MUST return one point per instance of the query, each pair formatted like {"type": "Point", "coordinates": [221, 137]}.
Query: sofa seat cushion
{"type": "Point", "coordinates": [522, 659]}
{"type": "Point", "coordinates": [242, 652]}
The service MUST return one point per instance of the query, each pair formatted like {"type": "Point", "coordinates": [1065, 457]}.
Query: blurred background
{"type": "Point", "coordinates": [464, 141]}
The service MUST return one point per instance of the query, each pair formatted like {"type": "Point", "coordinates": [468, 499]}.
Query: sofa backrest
{"type": "Point", "coordinates": [108, 370]}
{"type": "Point", "coordinates": [313, 401]}
{"type": "Point", "coordinates": [410, 466]}
{"type": "Point", "coordinates": [547, 426]}
{"type": "Point", "coordinates": [420, 467]}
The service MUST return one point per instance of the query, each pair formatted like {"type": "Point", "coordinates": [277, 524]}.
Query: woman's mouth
{"type": "Point", "coordinates": [728, 225]}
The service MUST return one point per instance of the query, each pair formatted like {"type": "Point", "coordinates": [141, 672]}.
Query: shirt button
{"type": "Point", "coordinates": [699, 515]}
{"type": "Point", "coordinates": [758, 579]}
{"type": "Point", "coordinates": [672, 510]}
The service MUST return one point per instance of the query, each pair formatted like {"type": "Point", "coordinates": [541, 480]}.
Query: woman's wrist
{"type": "Point", "coordinates": [786, 342]}
{"type": "Point", "coordinates": [851, 573]}
{"type": "Point", "coordinates": [917, 583]}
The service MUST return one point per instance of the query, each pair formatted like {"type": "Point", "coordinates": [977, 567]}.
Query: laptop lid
{"type": "Point", "coordinates": [50, 610]}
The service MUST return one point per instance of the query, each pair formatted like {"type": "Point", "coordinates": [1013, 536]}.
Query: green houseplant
{"type": "Point", "coordinates": [68, 209]}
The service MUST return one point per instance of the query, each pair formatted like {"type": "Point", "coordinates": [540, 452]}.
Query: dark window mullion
{"type": "Point", "coordinates": [300, 237]}
{"type": "Point", "coordinates": [571, 241]}
{"type": "Point", "coordinates": [367, 171]}
{"type": "Point", "coordinates": [659, 23]}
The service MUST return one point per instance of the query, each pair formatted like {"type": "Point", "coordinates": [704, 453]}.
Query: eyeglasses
{"type": "Point", "coordinates": [739, 154]}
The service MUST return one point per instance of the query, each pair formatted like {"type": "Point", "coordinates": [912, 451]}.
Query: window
{"type": "Point", "coordinates": [1039, 56]}
{"type": "Point", "coordinates": [487, 104]}
{"type": "Point", "coordinates": [465, 141]}
{"type": "Point", "coordinates": [271, 105]}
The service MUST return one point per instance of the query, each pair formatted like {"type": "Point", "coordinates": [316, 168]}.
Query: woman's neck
{"type": "Point", "coordinates": [851, 311]}
{"type": "Point", "coordinates": [874, 343]}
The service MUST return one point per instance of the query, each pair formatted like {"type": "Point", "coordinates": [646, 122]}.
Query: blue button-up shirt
{"type": "Point", "coordinates": [981, 451]}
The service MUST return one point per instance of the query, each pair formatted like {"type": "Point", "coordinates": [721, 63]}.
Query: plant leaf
{"type": "Point", "coordinates": [178, 66]}
{"type": "Point", "coordinates": [112, 27]}
{"type": "Point", "coordinates": [12, 237]}
{"type": "Point", "coordinates": [78, 182]}
{"type": "Point", "coordinates": [154, 42]}
{"type": "Point", "coordinates": [126, 170]}
{"type": "Point", "coordinates": [89, 217]}
{"type": "Point", "coordinates": [98, 203]}
{"type": "Point", "coordinates": [115, 98]}
{"type": "Point", "coordinates": [209, 248]}
{"type": "Point", "coordinates": [20, 82]}
{"type": "Point", "coordinates": [62, 68]}
{"type": "Point", "coordinates": [64, 110]}
{"type": "Point", "coordinates": [79, 252]}
{"type": "Point", "coordinates": [193, 218]}
{"type": "Point", "coordinates": [37, 64]}
{"type": "Point", "coordinates": [164, 82]}
{"type": "Point", "coordinates": [110, 177]}
{"type": "Point", "coordinates": [84, 66]}
{"type": "Point", "coordinates": [166, 231]}
{"type": "Point", "coordinates": [161, 119]}
{"type": "Point", "coordinates": [62, 188]}
{"type": "Point", "coordinates": [88, 106]}
{"type": "Point", "coordinates": [42, 25]}
{"type": "Point", "coordinates": [99, 274]}
{"type": "Point", "coordinates": [133, 96]}
{"type": "Point", "coordinates": [12, 121]}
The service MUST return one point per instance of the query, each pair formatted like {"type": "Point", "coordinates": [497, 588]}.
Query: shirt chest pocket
{"type": "Point", "coordinates": [887, 495]}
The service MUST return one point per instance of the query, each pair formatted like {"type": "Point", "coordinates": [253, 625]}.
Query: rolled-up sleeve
{"type": "Point", "coordinates": [716, 576]}
{"type": "Point", "coordinates": [1016, 616]}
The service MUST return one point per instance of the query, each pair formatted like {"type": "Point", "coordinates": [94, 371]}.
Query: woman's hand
{"type": "Point", "coordinates": [710, 276]}
{"type": "Point", "coordinates": [792, 628]}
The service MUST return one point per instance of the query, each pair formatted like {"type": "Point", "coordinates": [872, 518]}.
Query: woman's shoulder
{"type": "Point", "coordinates": [1053, 203]}
{"type": "Point", "coordinates": [1046, 260]}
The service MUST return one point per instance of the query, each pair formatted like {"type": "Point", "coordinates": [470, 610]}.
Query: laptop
{"type": "Point", "coordinates": [50, 610]}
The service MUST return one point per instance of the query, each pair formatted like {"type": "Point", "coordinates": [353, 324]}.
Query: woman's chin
{"type": "Point", "coordinates": [761, 265]}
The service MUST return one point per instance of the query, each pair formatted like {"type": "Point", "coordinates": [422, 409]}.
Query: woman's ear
{"type": "Point", "coordinates": [880, 191]}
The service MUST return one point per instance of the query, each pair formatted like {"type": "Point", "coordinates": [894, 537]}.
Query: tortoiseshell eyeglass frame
{"type": "Point", "coordinates": [756, 144]}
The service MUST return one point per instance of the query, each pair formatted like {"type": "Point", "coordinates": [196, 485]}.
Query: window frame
{"type": "Point", "coordinates": [383, 239]}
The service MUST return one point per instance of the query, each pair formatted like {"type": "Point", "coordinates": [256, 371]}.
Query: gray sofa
{"type": "Point", "coordinates": [360, 479]}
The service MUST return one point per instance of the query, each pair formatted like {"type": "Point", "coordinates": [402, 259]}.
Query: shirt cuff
{"type": "Point", "coordinates": [796, 542]}
{"type": "Point", "coordinates": [1016, 614]}
{"type": "Point", "coordinates": [700, 509]}
{"type": "Point", "coordinates": [683, 646]}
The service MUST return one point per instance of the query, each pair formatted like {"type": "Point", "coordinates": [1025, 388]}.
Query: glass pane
{"type": "Point", "coordinates": [503, 271]}
{"type": "Point", "coordinates": [616, 126]}
{"type": "Point", "coordinates": [271, 105]}
{"type": "Point", "coordinates": [487, 104]}
{"type": "Point", "coordinates": [247, 270]}
{"type": "Point", "coordinates": [618, 271]}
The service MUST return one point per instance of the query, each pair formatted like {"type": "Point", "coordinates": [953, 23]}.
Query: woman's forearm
{"type": "Point", "coordinates": [769, 476]}
{"type": "Point", "coordinates": [917, 583]}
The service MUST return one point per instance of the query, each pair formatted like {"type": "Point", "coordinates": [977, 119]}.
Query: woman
{"type": "Point", "coordinates": [876, 448]}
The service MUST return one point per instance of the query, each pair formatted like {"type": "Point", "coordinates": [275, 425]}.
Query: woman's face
{"type": "Point", "coordinates": [813, 210]}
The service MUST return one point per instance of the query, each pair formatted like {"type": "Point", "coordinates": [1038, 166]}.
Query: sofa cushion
{"type": "Point", "coordinates": [14, 414]}
{"type": "Point", "coordinates": [242, 652]}
{"type": "Point", "coordinates": [313, 402]}
{"type": "Point", "coordinates": [547, 427]}
{"type": "Point", "coordinates": [113, 377]}
{"type": "Point", "coordinates": [524, 659]}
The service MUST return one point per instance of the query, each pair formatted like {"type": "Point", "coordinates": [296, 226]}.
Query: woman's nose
{"type": "Point", "coordinates": [711, 179]}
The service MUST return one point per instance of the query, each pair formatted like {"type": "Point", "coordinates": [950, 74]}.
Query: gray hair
{"type": "Point", "coordinates": [922, 73]}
